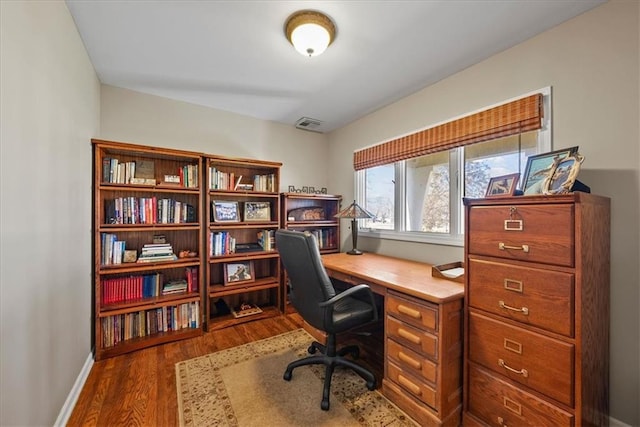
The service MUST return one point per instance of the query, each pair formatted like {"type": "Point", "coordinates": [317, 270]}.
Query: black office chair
{"type": "Point", "coordinates": [314, 297]}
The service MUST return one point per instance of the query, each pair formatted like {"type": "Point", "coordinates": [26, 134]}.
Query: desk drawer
{"type": "Point", "coordinates": [413, 311]}
{"type": "Point", "coordinates": [413, 385]}
{"type": "Point", "coordinates": [501, 404]}
{"type": "Point", "coordinates": [412, 338]}
{"type": "Point", "coordinates": [537, 233]}
{"type": "Point", "coordinates": [541, 298]}
{"type": "Point", "coordinates": [411, 361]}
{"type": "Point", "coordinates": [536, 361]}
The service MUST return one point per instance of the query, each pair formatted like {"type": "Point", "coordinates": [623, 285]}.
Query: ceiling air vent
{"type": "Point", "coordinates": [305, 123]}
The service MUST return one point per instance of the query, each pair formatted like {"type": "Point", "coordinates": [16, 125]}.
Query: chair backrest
{"type": "Point", "coordinates": [310, 284]}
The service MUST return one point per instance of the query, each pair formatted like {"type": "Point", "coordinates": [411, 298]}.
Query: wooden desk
{"type": "Point", "coordinates": [423, 333]}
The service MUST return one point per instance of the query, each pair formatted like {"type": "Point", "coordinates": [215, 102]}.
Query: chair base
{"type": "Point", "coordinates": [331, 358]}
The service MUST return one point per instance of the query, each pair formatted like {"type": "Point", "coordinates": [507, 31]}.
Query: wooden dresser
{"type": "Point", "coordinates": [537, 311]}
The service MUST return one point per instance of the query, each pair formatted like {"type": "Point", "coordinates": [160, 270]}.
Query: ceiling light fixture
{"type": "Point", "coordinates": [310, 32]}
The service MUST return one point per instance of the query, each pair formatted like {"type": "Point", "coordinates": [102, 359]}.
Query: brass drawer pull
{"type": "Point", "coordinates": [513, 285]}
{"type": "Point", "coordinates": [409, 336]}
{"type": "Point", "coordinates": [409, 384]}
{"type": "Point", "coordinates": [513, 225]}
{"type": "Point", "coordinates": [501, 422]}
{"type": "Point", "coordinates": [522, 372]}
{"type": "Point", "coordinates": [523, 310]}
{"type": "Point", "coordinates": [403, 309]}
{"type": "Point", "coordinates": [415, 364]}
{"type": "Point", "coordinates": [524, 248]}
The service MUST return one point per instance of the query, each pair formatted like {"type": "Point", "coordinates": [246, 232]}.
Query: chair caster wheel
{"type": "Point", "coordinates": [287, 376]}
{"type": "Point", "coordinates": [324, 405]}
{"type": "Point", "coordinates": [371, 385]}
{"type": "Point", "coordinates": [312, 349]}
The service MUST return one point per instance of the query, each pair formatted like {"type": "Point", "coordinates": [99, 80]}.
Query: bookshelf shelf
{"type": "Point", "coordinates": [147, 204]}
{"type": "Point", "coordinates": [242, 209]}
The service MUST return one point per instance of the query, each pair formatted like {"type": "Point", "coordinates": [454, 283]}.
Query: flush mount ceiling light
{"type": "Point", "coordinates": [310, 32]}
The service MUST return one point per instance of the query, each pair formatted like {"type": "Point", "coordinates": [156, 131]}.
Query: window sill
{"type": "Point", "coordinates": [435, 239]}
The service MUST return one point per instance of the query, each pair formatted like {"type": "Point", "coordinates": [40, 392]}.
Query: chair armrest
{"type": "Point", "coordinates": [352, 290]}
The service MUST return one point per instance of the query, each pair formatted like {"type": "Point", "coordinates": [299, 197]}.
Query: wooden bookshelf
{"type": "Point", "coordinates": [144, 195]}
{"type": "Point", "coordinates": [243, 212]}
{"type": "Point", "coordinates": [313, 213]}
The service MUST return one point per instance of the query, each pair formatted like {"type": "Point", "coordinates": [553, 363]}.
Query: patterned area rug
{"type": "Point", "coordinates": [243, 386]}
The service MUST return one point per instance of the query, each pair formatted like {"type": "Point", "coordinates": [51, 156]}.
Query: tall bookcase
{"type": "Point", "coordinates": [243, 265]}
{"type": "Point", "coordinates": [148, 244]}
{"type": "Point", "coordinates": [313, 213]}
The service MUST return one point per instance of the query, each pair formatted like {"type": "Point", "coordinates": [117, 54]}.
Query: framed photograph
{"type": "Point", "coordinates": [504, 185]}
{"type": "Point", "coordinates": [225, 211]}
{"type": "Point", "coordinates": [539, 167]}
{"type": "Point", "coordinates": [257, 211]}
{"type": "Point", "coordinates": [563, 175]}
{"type": "Point", "coordinates": [238, 272]}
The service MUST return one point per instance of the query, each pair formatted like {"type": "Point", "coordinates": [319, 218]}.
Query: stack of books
{"type": "Point", "coordinates": [154, 252]}
{"type": "Point", "coordinates": [175, 287]}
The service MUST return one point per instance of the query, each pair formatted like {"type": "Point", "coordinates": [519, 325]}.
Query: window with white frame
{"type": "Point", "coordinates": [420, 198]}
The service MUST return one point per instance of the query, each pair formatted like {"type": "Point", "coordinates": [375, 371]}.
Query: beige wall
{"type": "Point", "coordinates": [49, 110]}
{"type": "Point", "coordinates": [129, 116]}
{"type": "Point", "coordinates": [592, 64]}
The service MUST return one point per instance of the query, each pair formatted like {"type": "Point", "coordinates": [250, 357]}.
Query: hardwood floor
{"type": "Point", "coordinates": [139, 389]}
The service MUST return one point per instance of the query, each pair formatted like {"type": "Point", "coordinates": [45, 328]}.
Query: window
{"type": "Point", "coordinates": [420, 198]}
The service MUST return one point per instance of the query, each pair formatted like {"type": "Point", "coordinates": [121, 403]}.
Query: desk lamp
{"type": "Point", "coordinates": [355, 212]}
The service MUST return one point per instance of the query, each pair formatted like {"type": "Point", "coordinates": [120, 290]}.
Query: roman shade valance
{"type": "Point", "coordinates": [515, 117]}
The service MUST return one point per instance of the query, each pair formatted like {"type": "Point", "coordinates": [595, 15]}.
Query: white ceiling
{"type": "Point", "coordinates": [233, 55]}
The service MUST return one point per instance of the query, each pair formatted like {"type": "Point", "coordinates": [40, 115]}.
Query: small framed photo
{"type": "Point", "coordinates": [238, 272]}
{"type": "Point", "coordinates": [563, 175]}
{"type": "Point", "coordinates": [257, 211]}
{"type": "Point", "coordinates": [225, 211]}
{"type": "Point", "coordinates": [539, 166]}
{"type": "Point", "coordinates": [504, 185]}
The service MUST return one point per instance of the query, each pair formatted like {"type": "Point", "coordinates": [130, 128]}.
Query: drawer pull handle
{"type": "Point", "coordinates": [403, 309]}
{"type": "Point", "coordinates": [522, 372]}
{"type": "Point", "coordinates": [501, 422]}
{"type": "Point", "coordinates": [409, 336]}
{"type": "Point", "coordinates": [513, 225]}
{"type": "Point", "coordinates": [524, 248]}
{"type": "Point", "coordinates": [415, 364]}
{"type": "Point", "coordinates": [523, 310]}
{"type": "Point", "coordinates": [408, 384]}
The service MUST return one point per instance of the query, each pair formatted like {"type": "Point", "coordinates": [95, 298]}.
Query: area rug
{"type": "Point", "coordinates": [243, 386]}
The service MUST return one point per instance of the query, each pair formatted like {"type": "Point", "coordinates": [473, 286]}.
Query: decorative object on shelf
{"type": "Point", "coordinates": [312, 213]}
{"type": "Point", "coordinates": [172, 179]}
{"type": "Point", "coordinates": [310, 32]}
{"type": "Point", "coordinates": [563, 174]}
{"type": "Point", "coordinates": [130, 256]}
{"type": "Point", "coordinates": [307, 190]}
{"type": "Point", "coordinates": [187, 254]}
{"type": "Point", "coordinates": [539, 166]}
{"type": "Point", "coordinates": [354, 212]}
{"type": "Point", "coordinates": [257, 211]}
{"type": "Point", "coordinates": [245, 309]}
{"type": "Point", "coordinates": [239, 272]}
{"type": "Point", "coordinates": [504, 185]}
{"type": "Point", "coordinates": [224, 211]}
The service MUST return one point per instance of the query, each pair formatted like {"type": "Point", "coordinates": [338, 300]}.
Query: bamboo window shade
{"type": "Point", "coordinates": [515, 117]}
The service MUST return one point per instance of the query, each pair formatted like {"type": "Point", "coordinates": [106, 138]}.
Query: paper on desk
{"type": "Point", "coordinates": [453, 273]}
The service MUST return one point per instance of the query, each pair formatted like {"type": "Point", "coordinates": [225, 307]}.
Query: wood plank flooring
{"type": "Point", "coordinates": [139, 389]}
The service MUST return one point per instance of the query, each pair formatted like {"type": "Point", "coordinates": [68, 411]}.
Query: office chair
{"type": "Point", "coordinates": [314, 297]}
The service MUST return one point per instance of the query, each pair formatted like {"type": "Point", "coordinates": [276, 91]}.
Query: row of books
{"type": "Point", "coordinates": [221, 243]}
{"type": "Point", "coordinates": [143, 172]}
{"type": "Point", "coordinates": [266, 183]}
{"type": "Point", "coordinates": [267, 239]}
{"type": "Point", "coordinates": [219, 180]}
{"type": "Point", "coordinates": [123, 327]}
{"type": "Point", "coordinates": [326, 237]}
{"type": "Point", "coordinates": [112, 249]}
{"type": "Point", "coordinates": [148, 210]}
{"type": "Point", "coordinates": [134, 288]}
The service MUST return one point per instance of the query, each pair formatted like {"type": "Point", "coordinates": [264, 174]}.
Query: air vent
{"type": "Point", "coordinates": [305, 123]}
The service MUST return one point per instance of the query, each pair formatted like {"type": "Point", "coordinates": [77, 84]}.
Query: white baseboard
{"type": "Point", "coordinates": [616, 423]}
{"type": "Point", "coordinates": [70, 403]}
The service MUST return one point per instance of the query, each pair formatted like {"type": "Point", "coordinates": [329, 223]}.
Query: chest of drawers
{"type": "Point", "coordinates": [537, 311]}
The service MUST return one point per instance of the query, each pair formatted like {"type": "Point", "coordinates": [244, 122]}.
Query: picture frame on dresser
{"type": "Point", "coordinates": [563, 174]}
{"type": "Point", "coordinates": [504, 185]}
{"type": "Point", "coordinates": [538, 168]}
{"type": "Point", "coordinates": [225, 211]}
